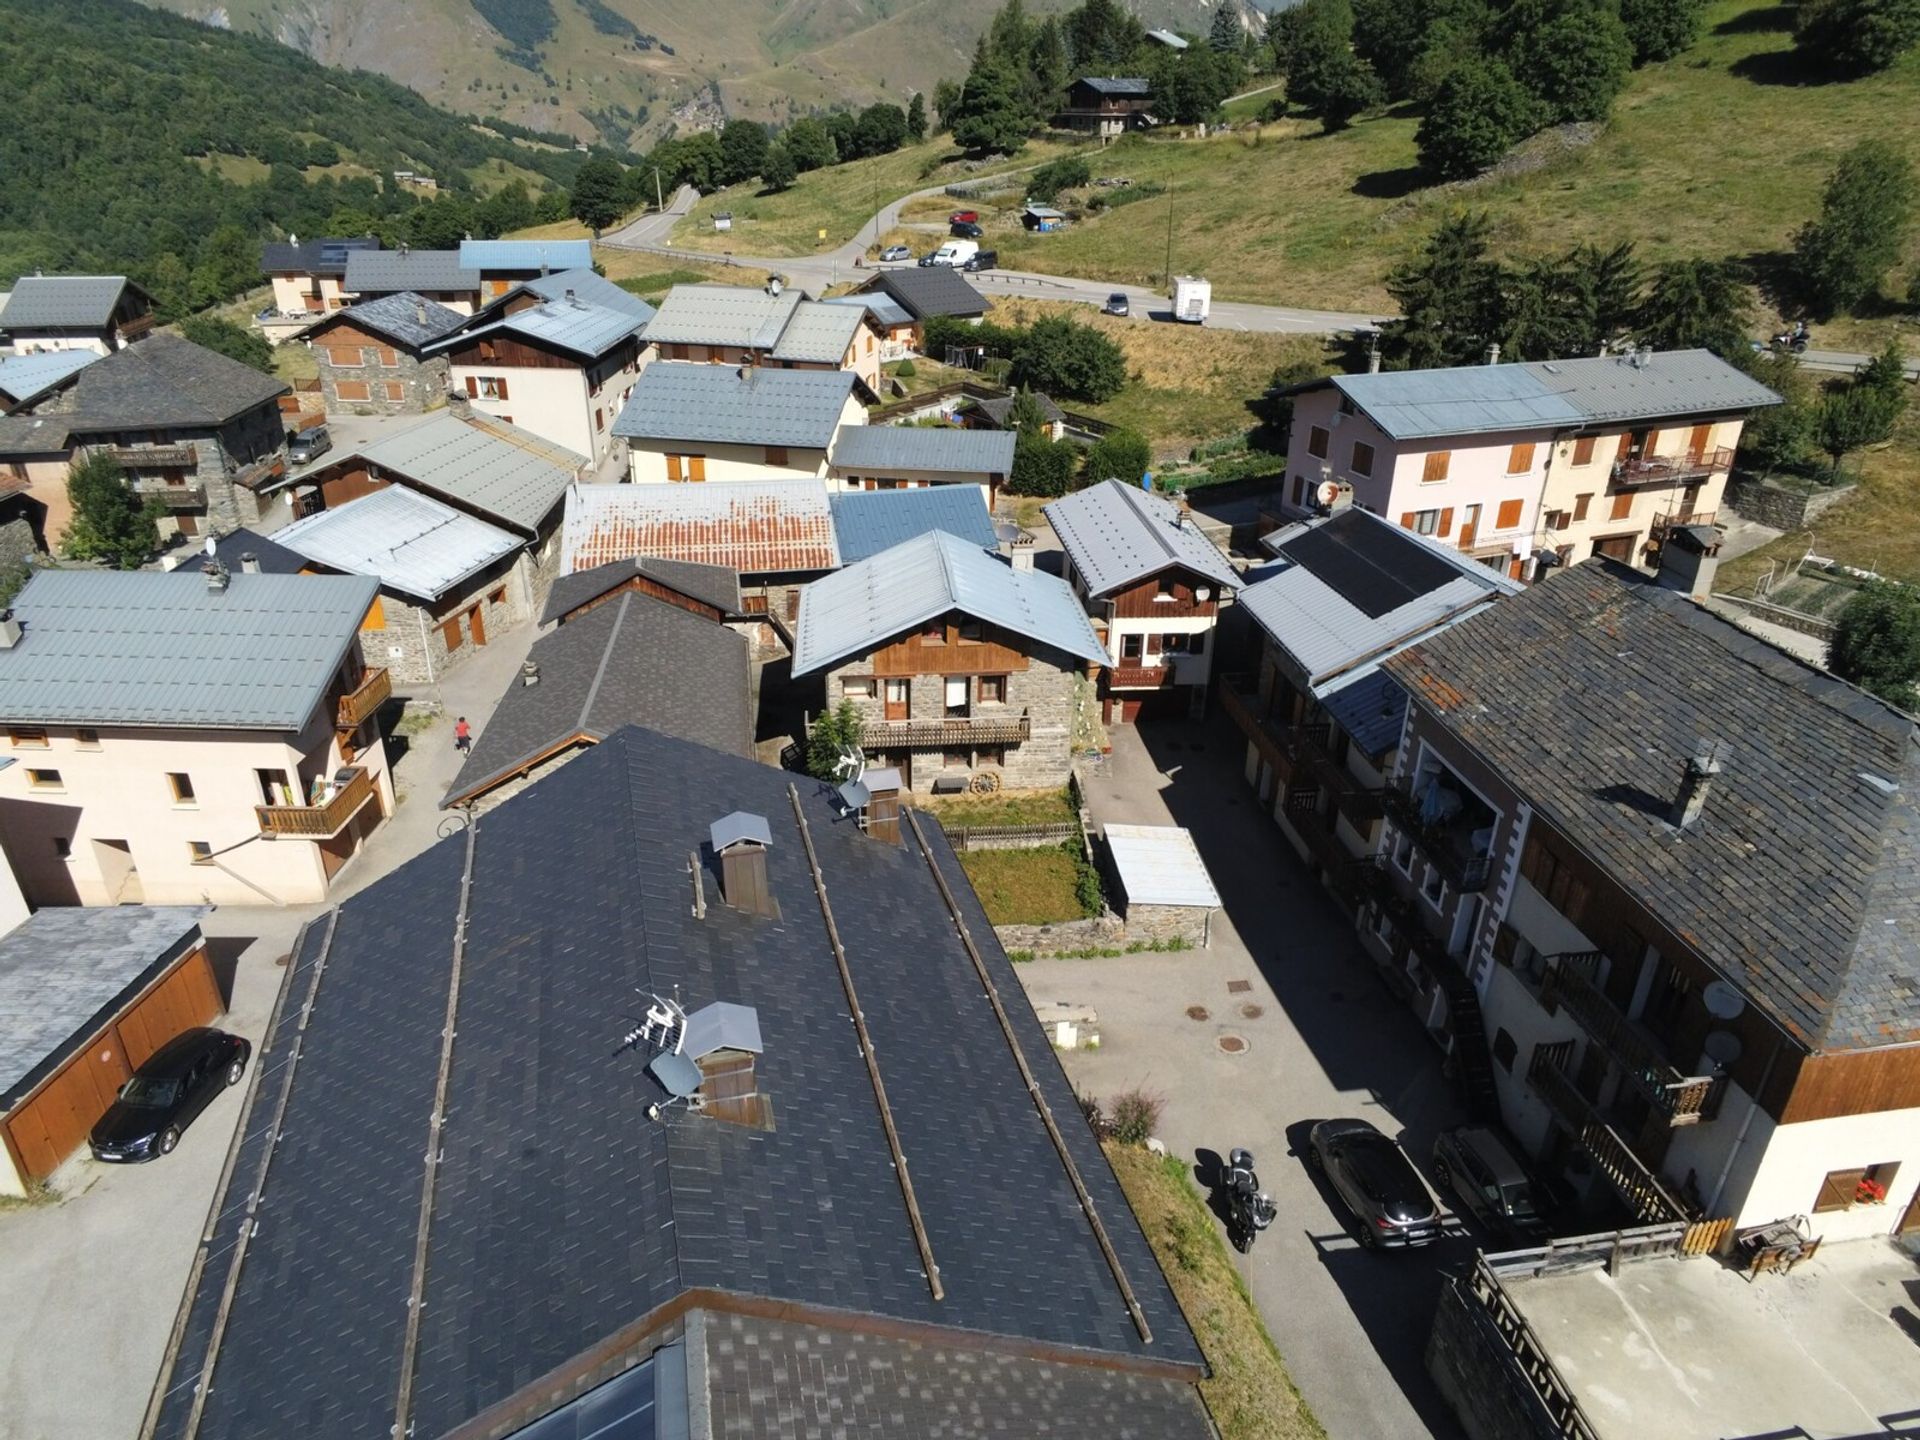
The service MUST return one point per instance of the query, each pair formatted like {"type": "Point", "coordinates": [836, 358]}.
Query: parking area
{"type": "Point", "coordinates": [1279, 1023]}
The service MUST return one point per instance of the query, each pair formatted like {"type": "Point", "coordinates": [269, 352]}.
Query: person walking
{"type": "Point", "coordinates": [463, 736]}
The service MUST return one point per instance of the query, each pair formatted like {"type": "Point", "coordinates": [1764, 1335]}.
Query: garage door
{"type": "Point", "coordinates": [186, 998]}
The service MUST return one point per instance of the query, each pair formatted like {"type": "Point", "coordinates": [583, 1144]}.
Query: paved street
{"type": "Point", "coordinates": [1323, 1037]}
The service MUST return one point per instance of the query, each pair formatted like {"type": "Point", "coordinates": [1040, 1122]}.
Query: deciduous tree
{"type": "Point", "coordinates": [1856, 37]}
{"type": "Point", "coordinates": [595, 197]}
{"type": "Point", "coordinates": [1060, 357]}
{"type": "Point", "coordinates": [1660, 29]}
{"type": "Point", "coordinates": [223, 337]}
{"type": "Point", "coordinates": [109, 522]}
{"type": "Point", "coordinates": [1876, 643]}
{"type": "Point", "coordinates": [1862, 230]}
{"type": "Point", "coordinates": [1478, 114]}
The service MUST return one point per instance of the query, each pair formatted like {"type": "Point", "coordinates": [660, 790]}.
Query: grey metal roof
{"type": "Point", "coordinates": [1045, 212]}
{"type": "Point", "coordinates": [62, 302]}
{"type": "Point", "coordinates": [632, 661]}
{"type": "Point", "coordinates": [724, 1025]}
{"type": "Point", "coordinates": [755, 527]}
{"type": "Point", "coordinates": [818, 334]}
{"type": "Point", "coordinates": [738, 826]}
{"type": "Point", "coordinates": [165, 382]}
{"type": "Point", "coordinates": [1117, 84]}
{"type": "Point", "coordinates": [929, 290]}
{"type": "Point", "coordinates": [25, 378]}
{"type": "Point", "coordinates": [715, 585]}
{"type": "Point", "coordinates": [589, 286]}
{"type": "Point", "coordinates": [313, 257]}
{"type": "Point", "coordinates": [1160, 865]}
{"type": "Point", "coordinates": [67, 970]}
{"type": "Point", "coordinates": [1353, 588]}
{"type": "Point", "coordinates": [869, 521]}
{"type": "Point", "coordinates": [1551, 394]}
{"type": "Point", "coordinates": [561, 1212]}
{"type": "Point", "coordinates": [381, 272]}
{"type": "Point", "coordinates": [1371, 709]}
{"type": "Point", "coordinates": [397, 316]}
{"type": "Point", "coordinates": [850, 612]}
{"type": "Point", "coordinates": [1118, 534]}
{"type": "Point", "coordinates": [1800, 882]}
{"type": "Point", "coordinates": [680, 400]}
{"type": "Point", "coordinates": [876, 450]}
{"type": "Point", "coordinates": [493, 256]}
{"type": "Point", "coordinates": [883, 308]}
{"type": "Point", "coordinates": [506, 473]}
{"type": "Point", "coordinates": [407, 541]}
{"type": "Point", "coordinates": [142, 648]}
{"type": "Point", "coordinates": [722, 315]}
{"type": "Point", "coordinates": [1167, 38]}
{"type": "Point", "coordinates": [572, 325]}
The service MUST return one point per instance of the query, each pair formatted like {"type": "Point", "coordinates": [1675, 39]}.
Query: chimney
{"type": "Point", "coordinates": [529, 673]}
{"type": "Point", "coordinates": [746, 367]}
{"type": "Point", "coordinates": [882, 814]}
{"type": "Point", "coordinates": [1493, 353]}
{"type": "Point", "coordinates": [216, 574]}
{"type": "Point", "coordinates": [293, 240]}
{"type": "Point", "coordinates": [9, 630]}
{"type": "Point", "coordinates": [740, 843]}
{"type": "Point", "coordinates": [1373, 352]}
{"type": "Point", "coordinates": [419, 312]}
{"type": "Point", "coordinates": [249, 563]}
{"type": "Point", "coordinates": [1696, 779]}
{"type": "Point", "coordinates": [572, 301]}
{"type": "Point", "coordinates": [403, 249]}
{"type": "Point", "coordinates": [1689, 557]}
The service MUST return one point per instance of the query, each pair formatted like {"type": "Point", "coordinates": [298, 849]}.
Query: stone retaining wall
{"type": "Point", "coordinates": [1100, 933]}
{"type": "Point", "coordinates": [1780, 507]}
{"type": "Point", "coordinates": [1479, 1376]}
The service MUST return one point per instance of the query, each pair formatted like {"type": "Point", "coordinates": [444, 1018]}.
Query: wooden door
{"type": "Point", "coordinates": [1616, 547]}
{"type": "Point", "coordinates": [188, 997]}
{"type": "Point", "coordinates": [477, 623]}
{"type": "Point", "coordinates": [54, 1123]}
{"type": "Point", "coordinates": [1910, 1222]}
{"type": "Point", "coordinates": [898, 692]}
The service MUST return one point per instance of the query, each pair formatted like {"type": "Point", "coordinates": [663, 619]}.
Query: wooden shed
{"type": "Point", "coordinates": [86, 995]}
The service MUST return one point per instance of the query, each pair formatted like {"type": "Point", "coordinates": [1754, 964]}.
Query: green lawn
{"type": "Point", "coordinates": [1015, 807]}
{"type": "Point", "coordinates": [1027, 887]}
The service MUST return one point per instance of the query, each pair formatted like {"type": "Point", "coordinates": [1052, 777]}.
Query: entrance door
{"type": "Point", "coordinates": [1910, 1222]}
{"type": "Point", "coordinates": [1616, 547]}
{"type": "Point", "coordinates": [897, 693]}
{"type": "Point", "coordinates": [477, 622]}
{"type": "Point", "coordinates": [1468, 526]}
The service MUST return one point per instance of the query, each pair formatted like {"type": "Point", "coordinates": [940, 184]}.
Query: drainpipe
{"type": "Point", "coordinates": [1745, 1125]}
{"type": "Point", "coordinates": [426, 648]}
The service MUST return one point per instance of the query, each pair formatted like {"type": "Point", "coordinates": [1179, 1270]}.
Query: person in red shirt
{"type": "Point", "coordinates": [463, 736]}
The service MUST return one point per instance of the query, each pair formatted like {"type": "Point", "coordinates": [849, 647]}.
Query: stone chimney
{"type": "Point", "coordinates": [740, 842]}
{"type": "Point", "coordinates": [1696, 781]}
{"type": "Point", "coordinates": [1689, 559]}
{"type": "Point", "coordinates": [419, 311]}
{"type": "Point", "coordinates": [216, 574]}
{"type": "Point", "coordinates": [249, 564]}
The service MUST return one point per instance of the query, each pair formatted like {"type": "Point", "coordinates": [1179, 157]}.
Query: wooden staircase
{"type": "Point", "coordinates": [1473, 1057]}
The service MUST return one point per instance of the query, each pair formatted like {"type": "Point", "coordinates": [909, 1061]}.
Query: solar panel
{"type": "Point", "coordinates": [1369, 566]}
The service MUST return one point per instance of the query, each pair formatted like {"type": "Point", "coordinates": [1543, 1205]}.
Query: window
{"type": "Point", "coordinates": [776, 454]}
{"type": "Point", "coordinates": [182, 787]}
{"type": "Point", "coordinates": [1167, 588]}
{"type": "Point", "coordinates": [28, 738]}
{"type": "Point", "coordinates": [352, 390]}
{"type": "Point", "coordinates": [1622, 506]}
{"type": "Point", "coordinates": [1362, 458]}
{"type": "Point", "coordinates": [1438, 463]}
{"type": "Point", "coordinates": [1509, 514]}
{"type": "Point", "coordinates": [1129, 647]}
{"type": "Point", "coordinates": [993, 689]}
{"type": "Point", "coordinates": [972, 632]}
{"type": "Point", "coordinates": [62, 847]}
{"type": "Point", "coordinates": [1583, 450]}
{"type": "Point", "coordinates": [1317, 441]}
{"type": "Point", "coordinates": [1403, 855]}
{"type": "Point", "coordinates": [992, 755]}
{"type": "Point", "coordinates": [1520, 458]}
{"type": "Point", "coordinates": [1425, 522]}
{"type": "Point", "coordinates": [389, 357]}
{"type": "Point", "coordinates": [1173, 644]}
{"type": "Point", "coordinates": [1197, 643]}
{"type": "Point", "coordinates": [45, 780]}
{"type": "Point", "coordinates": [599, 419]}
{"type": "Point", "coordinates": [857, 687]}
{"type": "Point", "coordinates": [1505, 1050]}
{"type": "Point", "coordinates": [85, 739]}
{"type": "Point", "coordinates": [1347, 407]}
{"type": "Point", "coordinates": [955, 759]}
{"type": "Point", "coordinates": [934, 632]}
{"type": "Point", "coordinates": [487, 387]}
{"type": "Point", "coordinates": [955, 691]}
{"type": "Point", "coordinates": [497, 595]}
{"type": "Point", "coordinates": [199, 852]}
{"type": "Point", "coordinates": [396, 392]}
{"type": "Point", "coordinates": [1433, 887]}
{"type": "Point", "coordinates": [1580, 504]}
{"type": "Point", "coordinates": [1299, 490]}
{"type": "Point", "coordinates": [1863, 1185]}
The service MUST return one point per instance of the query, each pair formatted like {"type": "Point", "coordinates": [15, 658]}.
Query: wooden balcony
{"type": "Point", "coordinates": [1240, 696]}
{"type": "Point", "coordinates": [1631, 474]}
{"type": "Point", "coordinates": [1140, 677]}
{"type": "Point", "coordinates": [1312, 746]}
{"type": "Point", "coordinates": [1638, 1186]}
{"type": "Point", "coordinates": [358, 705]}
{"type": "Point", "coordinates": [956, 733]}
{"type": "Point", "coordinates": [136, 327]}
{"type": "Point", "coordinates": [1683, 1099]}
{"type": "Point", "coordinates": [318, 822]}
{"type": "Point", "coordinates": [155, 457]}
{"type": "Point", "coordinates": [174, 497]}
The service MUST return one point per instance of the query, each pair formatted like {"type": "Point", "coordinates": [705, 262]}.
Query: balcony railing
{"type": "Point", "coordinates": [1670, 469]}
{"type": "Point", "coordinates": [318, 822]}
{"type": "Point", "coordinates": [1671, 520]}
{"type": "Point", "coordinates": [136, 327]}
{"type": "Point", "coordinates": [1448, 845]}
{"type": "Point", "coordinates": [174, 497]}
{"type": "Point", "coordinates": [359, 703]}
{"type": "Point", "coordinates": [1140, 677]}
{"type": "Point", "coordinates": [1683, 1099]}
{"type": "Point", "coordinates": [957, 732]}
{"type": "Point", "coordinates": [1312, 744]}
{"type": "Point", "coordinates": [155, 457]}
{"type": "Point", "coordinates": [1638, 1186]}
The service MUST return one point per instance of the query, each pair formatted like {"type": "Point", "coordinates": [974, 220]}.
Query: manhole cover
{"type": "Point", "coordinates": [284, 958]}
{"type": "Point", "coordinates": [1232, 1044]}
{"type": "Point", "coordinates": [1198, 1012]}
{"type": "Point", "coordinates": [1251, 1012]}
{"type": "Point", "coordinates": [1239, 987]}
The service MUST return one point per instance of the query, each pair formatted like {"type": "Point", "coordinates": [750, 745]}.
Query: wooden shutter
{"type": "Point", "coordinates": [1153, 644]}
{"type": "Point", "coordinates": [376, 616]}
{"type": "Point", "coordinates": [776, 454]}
{"type": "Point", "coordinates": [1406, 521]}
{"type": "Point", "coordinates": [1838, 1189]}
{"type": "Point", "coordinates": [1446, 522]}
{"type": "Point", "coordinates": [352, 390]}
{"type": "Point", "coordinates": [1580, 504]}
{"type": "Point", "coordinates": [389, 357]}
{"type": "Point", "coordinates": [1317, 439]}
{"type": "Point", "coordinates": [1438, 463]}
{"type": "Point", "coordinates": [1299, 488]}
{"type": "Point", "coordinates": [396, 392]}
{"type": "Point", "coordinates": [696, 467]}
{"type": "Point", "coordinates": [450, 633]}
{"type": "Point", "coordinates": [1583, 450]}
{"type": "Point", "coordinates": [1509, 515]}
{"type": "Point", "coordinates": [1626, 443]}
{"type": "Point", "coordinates": [1622, 505]}
{"type": "Point", "coordinates": [1362, 458]}
{"type": "Point", "coordinates": [1697, 442]}
{"type": "Point", "coordinates": [1504, 940]}
{"type": "Point", "coordinates": [502, 383]}
{"type": "Point", "coordinates": [1520, 458]}
{"type": "Point", "coordinates": [673, 468]}
{"type": "Point", "coordinates": [473, 388]}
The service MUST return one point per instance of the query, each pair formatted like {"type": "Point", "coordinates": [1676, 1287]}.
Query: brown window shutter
{"type": "Point", "coordinates": [503, 387]}
{"type": "Point", "coordinates": [1583, 450]}
{"type": "Point", "coordinates": [1504, 940]}
{"type": "Point", "coordinates": [1520, 458]}
{"type": "Point", "coordinates": [1509, 515]}
{"type": "Point", "coordinates": [1838, 1189]}
{"type": "Point", "coordinates": [1580, 504]}
{"type": "Point", "coordinates": [696, 467]}
{"type": "Point", "coordinates": [1446, 521]}
{"type": "Point", "coordinates": [1626, 443]}
{"type": "Point", "coordinates": [1153, 644]}
{"type": "Point", "coordinates": [673, 467]}
{"type": "Point", "coordinates": [1406, 521]}
{"type": "Point", "coordinates": [473, 387]}
{"type": "Point", "coordinates": [1439, 462]}
{"type": "Point", "coordinates": [1299, 488]}
{"type": "Point", "coordinates": [1622, 505]}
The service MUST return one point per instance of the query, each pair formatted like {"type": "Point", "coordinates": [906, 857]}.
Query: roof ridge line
{"type": "Point", "coordinates": [606, 656]}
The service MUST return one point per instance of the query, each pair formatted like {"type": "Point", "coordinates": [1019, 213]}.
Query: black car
{"type": "Point", "coordinates": [1376, 1182]}
{"type": "Point", "coordinates": [1486, 1179]}
{"type": "Point", "coordinates": [965, 230]}
{"type": "Point", "coordinates": [179, 1080]}
{"type": "Point", "coordinates": [982, 260]}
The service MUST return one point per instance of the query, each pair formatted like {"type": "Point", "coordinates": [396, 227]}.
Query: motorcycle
{"type": "Point", "coordinates": [1249, 1208]}
{"type": "Point", "coordinates": [1794, 340]}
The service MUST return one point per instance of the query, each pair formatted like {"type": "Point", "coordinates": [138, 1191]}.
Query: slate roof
{"type": "Point", "coordinates": [1550, 394]}
{"type": "Point", "coordinates": [1351, 588]}
{"type": "Point", "coordinates": [1160, 865]}
{"type": "Point", "coordinates": [165, 382]}
{"type": "Point", "coordinates": [313, 257]}
{"type": "Point", "coordinates": [998, 408]}
{"type": "Point", "coordinates": [877, 450]}
{"type": "Point", "coordinates": [1800, 883]}
{"type": "Point", "coordinates": [395, 316]}
{"type": "Point", "coordinates": [67, 970]}
{"type": "Point", "coordinates": [723, 315]}
{"type": "Point", "coordinates": [818, 334]}
{"type": "Point", "coordinates": [494, 256]}
{"type": "Point", "coordinates": [505, 473]}
{"type": "Point", "coordinates": [25, 378]}
{"type": "Point", "coordinates": [560, 1212]}
{"type": "Point", "coordinates": [23, 435]}
{"type": "Point", "coordinates": [409, 542]}
{"type": "Point", "coordinates": [929, 290]}
{"type": "Point", "coordinates": [573, 325]}
{"type": "Point", "coordinates": [682, 400]}
{"type": "Point", "coordinates": [142, 648]}
{"type": "Point", "coordinates": [273, 557]}
{"type": "Point", "coordinates": [633, 661]}
{"type": "Point", "coordinates": [869, 521]}
{"type": "Point", "coordinates": [1117, 535]}
{"type": "Point", "coordinates": [855, 609]}
{"type": "Point", "coordinates": [714, 585]}
{"type": "Point", "coordinates": [1372, 710]}
{"type": "Point", "coordinates": [381, 272]}
{"type": "Point", "coordinates": [1123, 85]}
{"type": "Point", "coordinates": [589, 286]}
{"type": "Point", "coordinates": [63, 302]}
{"type": "Point", "coordinates": [754, 527]}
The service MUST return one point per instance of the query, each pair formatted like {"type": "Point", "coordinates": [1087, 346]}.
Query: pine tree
{"type": "Point", "coordinates": [917, 117]}
{"type": "Point", "coordinates": [1862, 229]}
{"type": "Point", "coordinates": [1226, 35]}
{"type": "Point", "coordinates": [1449, 297]}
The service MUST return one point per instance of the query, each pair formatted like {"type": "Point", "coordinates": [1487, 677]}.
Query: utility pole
{"type": "Point", "coordinates": [659, 201]}
{"type": "Point", "coordinates": [1169, 240]}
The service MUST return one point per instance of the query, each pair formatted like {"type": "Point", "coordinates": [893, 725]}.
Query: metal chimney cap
{"type": "Point", "coordinates": [739, 828]}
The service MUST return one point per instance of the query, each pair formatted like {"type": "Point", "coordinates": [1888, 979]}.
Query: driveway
{"type": "Point", "coordinates": [1322, 1038]}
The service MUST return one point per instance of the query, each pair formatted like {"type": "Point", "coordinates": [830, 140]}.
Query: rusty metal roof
{"type": "Point", "coordinates": [758, 527]}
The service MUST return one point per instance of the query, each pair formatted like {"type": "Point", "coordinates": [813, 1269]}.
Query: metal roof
{"type": "Point", "coordinates": [1160, 865]}
{"type": "Point", "coordinates": [757, 527]}
{"type": "Point", "coordinates": [1116, 534]}
{"type": "Point", "coordinates": [868, 521]}
{"type": "Point", "coordinates": [1551, 394]}
{"type": "Point", "coordinates": [1116, 84]}
{"type": "Point", "coordinates": [1352, 588]}
{"type": "Point", "coordinates": [574, 325]}
{"type": "Point", "coordinates": [379, 272]}
{"type": "Point", "coordinates": [143, 648]}
{"type": "Point", "coordinates": [397, 316]}
{"type": "Point", "coordinates": [818, 334]}
{"type": "Point", "coordinates": [852, 611]}
{"type": "Point", "coordinates": [1045, 212]}
{"type": "Point", "coordinates": [679, 400]}
{"type": "Point", "coordinates": [1167, 38]}
{"type": "Point", "coordinates": [1371, 709]}
{"type": "Point", "coordinates": [883, 308]}
{"type": "Point", "coordinates": [723, 315]}
{"type": "Point", "coordinates": [876, 449]}
{"type": "Point", "coordinates": [724, 1025]}
{"type": "Point", "coordinates": [315, 257]}
{"type": "Point", "coordinates": [62, 302]}
{"type": "Point", "coordinates": [407, 541]}
{"type": "Point", "coordinates": [493, 256]}
{"type": "Point", "coordinates": [589, 286]}
{"type": "Point", "coordinates": [508, 474]}
{"type": "Point", "coordinates": [67, 970]}
{"type": "Point", "coordinates": [737, 827]}
{"type": "Point", "coordinates": [25, 378]}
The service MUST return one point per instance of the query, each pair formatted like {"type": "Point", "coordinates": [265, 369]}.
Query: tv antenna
{"type": "Point", "coordinates": [662, 1029]}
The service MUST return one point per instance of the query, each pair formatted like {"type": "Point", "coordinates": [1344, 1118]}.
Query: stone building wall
{"type": "Point", "coordinates": [1479, 1376]}
{"type": "Point", "coordinates": [1780, 507]}
{"type": "Point", "coordinates": [412, 642]}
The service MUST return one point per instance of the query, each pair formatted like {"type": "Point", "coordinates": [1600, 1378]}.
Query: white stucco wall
{"type": "Point", "coordinates": [552, 403]}
{"type": "Point", "coordinates": [1779, 1169]}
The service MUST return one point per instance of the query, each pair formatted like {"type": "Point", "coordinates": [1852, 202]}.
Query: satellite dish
{"type": "Point", "coordinates": [1722, 1048]}
{"type": "Point", "coordinates": [1723, 1002]}
{"type": "Point", "coordinates": [1328, 492]}
{"type": "Point", "coordinates": [213, 550]}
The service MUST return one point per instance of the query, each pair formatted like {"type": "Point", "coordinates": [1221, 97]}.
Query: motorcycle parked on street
{"type": "Point", "coordinates": [1249, 1208]}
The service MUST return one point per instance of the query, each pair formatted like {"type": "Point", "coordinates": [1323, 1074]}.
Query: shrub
{"type": "Point", "coordinates": [905, 370]}
{"type": "Point", "coordinates": [1117, 455]}
{"type": "Point", "coordinates": [1134, 1115]}
{"type": "Point", "coordinates": [1069, 172]}
{"type": "Point", "coordinates": [1856, 37]}
{"type": "Point", "coordinates": [1478, 114]}
{"type": "Point", "coordinates": [834, 733]}
{"type": "Point", "coordinates": [1876, 642]}
{"type": "Point", "coordinates": [1061, 357]}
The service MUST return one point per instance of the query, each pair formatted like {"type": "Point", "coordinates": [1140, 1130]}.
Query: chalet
{"type": "Point", "coordinates": [926, 291]}
{"type": "Point", "coordinates": [1528, 466]}
{"type": "Point", "coordinates": [898, 330]}
{"type": "Point", "coordinates": [438, 275]}
{"type": "Point", "coordinates": [1107, 105]}
{"type": "Point", "coordinates": [782, 329]}
{"type": "Point", "coordinates": [503, 264]}
{"type": "Point", "coordinates": [913, 457]}
{"type": "Point", "coordinates": [1154, 586]}
{"type": "Point", "coordinates": [691, 422]}
{"type": "Point", "coordinates": [964, 670]}
{"type": "Point", "coordinates": [377, 357]}
{"type": "Point", "coordinates": [101, 313]}
{"type": "Point", "coordinates": [308, 280]}
{"type": "Point", "coordinates": [214, 741]}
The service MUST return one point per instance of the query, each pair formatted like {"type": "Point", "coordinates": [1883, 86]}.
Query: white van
{"type": "Point", "coordinates": [956, 252]}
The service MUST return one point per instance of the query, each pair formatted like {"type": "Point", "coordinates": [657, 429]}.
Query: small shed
{"type": "Point", "coordinates": [1165, 892]}
{"type": "Point", "coordinates": [86, 995]}
{"type": "Point", "coordinates": [1043, 218]}
{"type": "Point", "coordinates": [723, 220]}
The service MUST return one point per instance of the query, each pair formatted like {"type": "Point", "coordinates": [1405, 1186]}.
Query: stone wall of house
{"type": "Point", "coordinates": [412, 643]}
{"type": "Point", "coordinates": [1146, 924]}
{"type": "Point", "coordinates": [1479, 1376]}
{"type": "Point", "coordinates": [408, 387]}
{"type": "Point", "coordinates": [1782, 508]}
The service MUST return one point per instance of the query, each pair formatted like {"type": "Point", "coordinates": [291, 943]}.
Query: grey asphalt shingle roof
{"type": "Point", "coordinates": [381, 272]}
{"type": "Point", "coordinates": [715, 585]}
{"type": "Point", "coordinates": [507, 474]}
{"type": "Point", "coordinates": [1551, 394]}
{"type": "Point", "coordinates": [25, 378]}
{"type": "Point", "coordinates": [561, 1212]}
{"type": "Point", "coordinates": [62, 302]}
{"type": "Point", "coordinates": [1133, 85]}
{"type": "Point", "coordinates": [1800, 882]}
{"type": "Point", "coordinates": [573, 325]}
{"type": "Point", "coordinates": [999, 407]}
{"type": "Point", "coordinates": [633, 661]}
{"type": "Point", "coordinates": [876, 599]}
{"type": "Point", "coordinates": [877, 450]}
{"type": "Point", "coordinates": [67, 970]}
{"type": "Point", "coordinates": [868, 521]}
{"type": "Point", "coordinates": [1117, 535]}
{"type": "Point", "coordinates": [722, 315]}
{"type": "Point", "coordinates": [396, 316]}
{"type": "Point", "coordinates": [494, 256]}
{"type": "Point", "coordinates": [165, 382]}
{"type": "Point", "coordinates": [818, 334]}
{"type": "Point", "coordinates": [681, 400]}
{"type": "Point", "coordinates": [408, 541]}
{"type": "Point", "coordinates": [929, 290]}
{"type": "Point", "coordinates": [141, 648]}
{"type": "Point", "coordinates": [588, 286]}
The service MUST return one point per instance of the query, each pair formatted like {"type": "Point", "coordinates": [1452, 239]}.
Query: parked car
{"type": "Point", "coordinates": [309, 445]}
{"type": "Point", "coordinates": [964, 217]}
{"type": "Point", "coordinates": [965, 230]}
{"type": "Point", "coordinates": [984, 260]}
{"type": "Point", "coordinates": [955, 253]}
{"type": "Point", "coordinates": [1376, 1182]}
{"type": "Point", "coordinates": [896, 252]}
{"type": "Point", "coordinates": [1490, 1183]}
{"type": "Point", "coordinates": [176, 1083]}
{"type": "Point", "coordinates": [1117, 304]}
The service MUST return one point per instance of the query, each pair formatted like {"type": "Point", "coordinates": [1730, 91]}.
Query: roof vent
{"type": "Point", "coordinates": [574, 301]}
{"type": "Point", "coordinates": [216, 574]}
{"type": "Point", "coordinates": [403, 249]}
{"type": "Point", "coordinates": [740, 842]}
{"type": "Point", "coordinates": [249, 563]}
{"type": "Point", "coordinates": [420, 312]}
{"type": "Point", "coordinates": [529, 673]}
{"type": "Point", "coordinates": [1493, 353]}
{"type": "Point", "coordinates": [775, 285]}
{"type": "Point", "coordinates": [10, 631]}
{"type": "Point", "coordinates": [746, 367]}
{"type": "Point", "coordinates": [1696, 780]}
